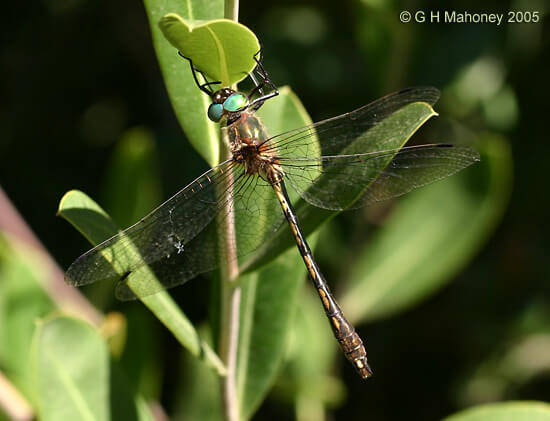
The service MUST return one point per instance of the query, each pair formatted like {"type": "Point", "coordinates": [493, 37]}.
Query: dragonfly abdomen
{"type": "Point", "coordinates": [355, 352]}
{"type": "Point", "coordinates": [344, 332]}
{"type": "Point", "coordinates": [349, 340]}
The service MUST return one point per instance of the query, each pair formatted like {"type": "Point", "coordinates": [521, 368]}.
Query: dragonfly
{"type": "Point", "coordinates": [340, 163]}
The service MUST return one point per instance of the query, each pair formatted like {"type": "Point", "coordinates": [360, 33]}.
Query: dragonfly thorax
{"type": "Point", "coordinates": [249, 144]}
{"type": "Point", "coordinates": [257, 163]}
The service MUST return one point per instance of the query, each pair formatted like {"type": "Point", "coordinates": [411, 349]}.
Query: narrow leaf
{"type": "Point", "coordinates": [190, 104]}
{"type": "Point", "coordinates": [22, 301]}
{"type": "Point", "coordinates": [74, 378]}
{"type": "Point", "coordinates": [267, 313]}
{"type": "Point", "coordinates": [71, 365]}
{"type": "Point", "coordinates": [86, 216]}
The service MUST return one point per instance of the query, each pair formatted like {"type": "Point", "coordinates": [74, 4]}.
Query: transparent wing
{"type": "Point", "coordinates": [178, 239]}
{"type": "Point", "coordinates": [350, 181]}
{"type": "Point", "coordinates": [339, 133]}
{"type": "Point", "coordinates": [161, 233]}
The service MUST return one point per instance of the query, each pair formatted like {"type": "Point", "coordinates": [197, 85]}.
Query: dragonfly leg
{"type": "Point", "coordinates": [261, 84]}
{"type": "Point", "coordinates": [205, 87]}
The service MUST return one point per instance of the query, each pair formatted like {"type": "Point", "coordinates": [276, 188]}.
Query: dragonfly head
{"type": "Point", "coordinates": [226, 101]}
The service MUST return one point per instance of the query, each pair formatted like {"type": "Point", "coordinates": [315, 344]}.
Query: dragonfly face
{"type": "Point", "coordinates": [227, 103]}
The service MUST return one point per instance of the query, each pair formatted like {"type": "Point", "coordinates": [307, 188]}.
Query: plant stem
{"type": "Point", "coordinates": [232, 10]}
{"type": "Point", "coordinates": [230, 303]}
{"type": "Point", "coordinates": [13, 404]}
{"type": "Point", "coordinates": [230, 290]}
{"type": "Point", "coordinates": [65, 296]}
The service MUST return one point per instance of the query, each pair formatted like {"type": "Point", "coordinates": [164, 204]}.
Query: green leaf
{"type": "Point", "coordinates": [430, 236]}
{"type": "Point", "coordinates": [74, 384]}
{"type": "Point", "coordinates": [222, 49]}
{"type": "Point", "coordinates": [190, 104]}
{"type": "Point", "coordinates": [267, 313]}
{"type": "Point", "coordinates": [22, 301]}
{"type": "Point", "coordinates": [86, 216]}
{"type": "Point", "coordinates": [73, 374]}
{"type": "Point", "coordinates": [394, 131]}
{"type": "Point", "coordinates": [505, 411]}
{"type": "Point", "coordinates": [197, 396]}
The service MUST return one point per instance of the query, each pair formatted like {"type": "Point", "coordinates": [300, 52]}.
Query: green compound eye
{"type": "Point", "coordinates": [235, 102]}
{"type": "Point", "coordinates": [215, 112]}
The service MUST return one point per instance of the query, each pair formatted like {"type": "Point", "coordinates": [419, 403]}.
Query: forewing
{"type": "Point", "coordinates": [158, 235]}
{"type": "Point", "coordinates": [178, 240]}
{"type": "Point", "coordinates": [253, 207]}
{"type": "Point", "coordinates": [339, 134]}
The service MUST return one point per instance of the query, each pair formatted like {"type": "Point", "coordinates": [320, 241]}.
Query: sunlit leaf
{"type": "Point", "coordinates": [73, 375]}
{"type": "Point", "coordinates": [267, 313]}
{"type": "Point", "coordinates": [22, 301]}
{"type": "Point", "coordinates": [86, 215]}
{"type": "Point", "coordinates": [505, 411]}
{"type": "Point", "coordinates": [222, 49]}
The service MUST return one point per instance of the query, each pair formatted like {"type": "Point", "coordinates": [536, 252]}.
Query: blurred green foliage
{"type": "Point", "coordinates": [79, 78]}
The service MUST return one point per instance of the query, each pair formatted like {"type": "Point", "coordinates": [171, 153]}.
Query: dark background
{"type": "Point", "coordinates": [77, 74]}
